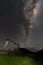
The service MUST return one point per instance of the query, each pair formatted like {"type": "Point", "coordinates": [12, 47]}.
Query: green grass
{"type": "Point", "coordinates": [17, 60]}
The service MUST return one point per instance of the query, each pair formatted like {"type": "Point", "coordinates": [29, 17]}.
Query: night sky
{"type": "Point", "coordinates": [12, 20]}
{"type": "Point", "coordinates": [14, 26]}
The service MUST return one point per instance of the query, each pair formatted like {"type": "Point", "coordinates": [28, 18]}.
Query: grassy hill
{"type": "Point", "coordinates": [6, 59]}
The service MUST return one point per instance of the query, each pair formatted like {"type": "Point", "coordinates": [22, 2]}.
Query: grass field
{"type": "Point", "coordinates": [17, 60]}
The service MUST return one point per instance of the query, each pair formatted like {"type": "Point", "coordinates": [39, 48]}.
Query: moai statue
{"type": "Point", "coordinates": [15, 47]}
{"type": "Point", "coordinates": [11, 46]}
{"type": "Point", "coordinates": [6, 43]}
{"type": "Point", "coordinates": [18, 48]}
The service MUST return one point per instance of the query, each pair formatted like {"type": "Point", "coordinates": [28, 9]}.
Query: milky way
{"type": "Point", "coordinates": [36, 40]}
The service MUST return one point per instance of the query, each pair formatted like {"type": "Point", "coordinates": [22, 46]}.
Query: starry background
{"type": "Point", "coordinates": [12, 24]}
{"type": "Point", "coordinates": [11, 20]}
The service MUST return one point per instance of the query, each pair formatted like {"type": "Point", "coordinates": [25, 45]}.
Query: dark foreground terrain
{"type": "Point", "coordinates": [11, 59]}
{"type": "Point", "coordinates": [26, 57]}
